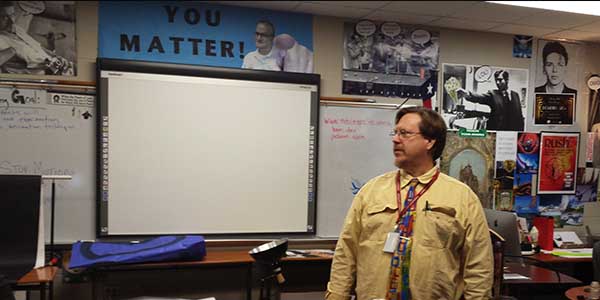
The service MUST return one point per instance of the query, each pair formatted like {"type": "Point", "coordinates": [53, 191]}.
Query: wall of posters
{"type": "Point", "coordinates": [471, 160]}
{"type": "Point", "coordinates": [554, 109]}
{"type": "Point", "coordinates": [42, 35]}
{"type": "Point", "coordinates": [558, 163]}
{"type": "Point", "coordinates": [484, 97]}
{"type": "Point", "coordinates": [390, 60]}
{"type": "Point", "coordinates": [197, 33]}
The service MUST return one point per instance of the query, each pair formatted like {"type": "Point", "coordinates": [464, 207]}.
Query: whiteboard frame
{"type": "Point", "coordinates": [207, 72]}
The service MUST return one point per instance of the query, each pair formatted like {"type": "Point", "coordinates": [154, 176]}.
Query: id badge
{"type": "Point", "coordinates": [391, 243]}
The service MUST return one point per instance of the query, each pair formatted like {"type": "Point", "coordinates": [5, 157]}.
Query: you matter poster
{"type": "Point", "coordinates": [558, 163]}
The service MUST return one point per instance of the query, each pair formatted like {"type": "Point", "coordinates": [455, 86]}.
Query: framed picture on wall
{"type": "Point", "coordinates": [554, 109]}
{"type": "Point", "coordinates": [558, 162]}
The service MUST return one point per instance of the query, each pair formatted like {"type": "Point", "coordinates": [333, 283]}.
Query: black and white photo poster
{"type": "Point", "coordinates": [389, 60]}
{"type": "Point", "coordinates": [484, 97]}
{"type": "Point", "coordinates": [38, 37]}
{"type": "Point", "coordinates": [557, 67]}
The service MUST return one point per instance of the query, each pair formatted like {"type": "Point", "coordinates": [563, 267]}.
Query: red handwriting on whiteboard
{"type": "Point", "coordinates": [350, 129]}
{"type": "Point", "coordinates": [356, 122]}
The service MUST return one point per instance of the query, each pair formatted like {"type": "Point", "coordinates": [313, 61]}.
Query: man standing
{"type": "Point", "coordinates": [414, 233]}
{"type": "Point", "coordinates": [266, 56]}
{"type": "Point", "coordinates": [505, 105]}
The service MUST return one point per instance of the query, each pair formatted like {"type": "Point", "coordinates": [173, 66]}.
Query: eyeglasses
{"type": "Point", "coordinates": [260, 34]}
{"type": "Point", "coordinates": [405, 134]}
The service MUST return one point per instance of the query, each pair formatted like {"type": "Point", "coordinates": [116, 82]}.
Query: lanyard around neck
{"type": "Point", "coordinates": [415, 198]}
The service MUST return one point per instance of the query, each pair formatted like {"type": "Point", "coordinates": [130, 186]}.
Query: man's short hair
{"type": "Point", "coordinates": [432, 127]}
{"type": "Point", "coordinates": [267, 23]}
{"type": "Point", "coordinates": [502, 73]}
{"type": "Point", "coordinates": [555, 47]}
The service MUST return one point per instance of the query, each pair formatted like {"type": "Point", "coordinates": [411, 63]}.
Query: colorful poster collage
{"type": "Point", "coordinates": [540, 176]}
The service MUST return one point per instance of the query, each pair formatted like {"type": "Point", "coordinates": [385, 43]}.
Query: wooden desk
{"type": "Point", "coordinates": [553, 259]}
{"type": "Point", "coordinates": [542, 282]}
{"type": "Point", "coordinates": [302, 274]}
{"type": "Point", "coordinates": [580, 268]}
{"type": "Point", "coordinates": [38, 279]}
{"type": "Point", "coordinates": [106, 281]}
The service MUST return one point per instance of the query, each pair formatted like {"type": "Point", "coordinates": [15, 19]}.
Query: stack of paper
{"type": "Point", "coordinates": [514, 276]}
{"type": "Point", "coordinates": [569, 237]}
{"type": "Point", "coordinates": [573, 253]}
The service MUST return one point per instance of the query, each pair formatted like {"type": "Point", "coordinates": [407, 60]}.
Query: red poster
{"type": "Point", "coordinates": [558, 163]}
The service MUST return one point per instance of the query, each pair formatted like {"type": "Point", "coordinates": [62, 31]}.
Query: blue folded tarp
{"type": "Point", "coordinates": [164, 248]}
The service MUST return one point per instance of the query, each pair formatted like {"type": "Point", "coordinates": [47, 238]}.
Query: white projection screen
{"type": "Point", "coordinates": [200, 150]}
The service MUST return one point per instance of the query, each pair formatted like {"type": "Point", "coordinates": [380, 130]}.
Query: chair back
{"type": "Point", "coordinates": [498, 250]}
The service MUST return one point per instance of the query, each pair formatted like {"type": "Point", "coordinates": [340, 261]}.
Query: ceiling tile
{"type": "Point", "coordinates": [522, 29]}
{"type": "Point", "coordinates": [430, 8]}
{"type": "Point", "coordinates": [400, 18]}
{"type": "Point", "coordinates": [555, 19]}
{"type": "Point", "coordinates": [274, 5]}
{"type": "Point", "coordinates": [574, 35]}
{"type": "Point", "coordinates": [358, 4]}
{"type": "Point", "coordinates": [494, 12]}
{"type": "Point", "coordinates": [332, 10]}
{"type": "Point", "coordinates": [463, 24]}
{"type": "Point", "coordinates": [592, 27]}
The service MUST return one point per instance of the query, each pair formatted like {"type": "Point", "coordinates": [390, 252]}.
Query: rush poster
{"type": "Point", "coordinates": [558, 163]}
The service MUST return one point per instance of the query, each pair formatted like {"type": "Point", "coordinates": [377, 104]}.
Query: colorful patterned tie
{"type": "Point", "coordinates": [400, 264]}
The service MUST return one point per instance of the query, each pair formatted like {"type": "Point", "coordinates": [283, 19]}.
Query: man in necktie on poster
{"type": "Point", "coordinates": [406, 236]}
{"type": "Point", "coordinates": [505, 104]}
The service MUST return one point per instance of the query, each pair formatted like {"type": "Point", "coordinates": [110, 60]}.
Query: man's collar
{"type": "Point", "coordinates": [266, 55]}
{"type": "Point", "coordinates": [423, 179]}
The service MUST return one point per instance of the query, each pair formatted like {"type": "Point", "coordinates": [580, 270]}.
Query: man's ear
{"type": "Point", "coordinates": [430, 144]}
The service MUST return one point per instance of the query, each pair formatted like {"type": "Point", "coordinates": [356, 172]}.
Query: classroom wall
{"type": "Point", "coordinates": [456, 46]}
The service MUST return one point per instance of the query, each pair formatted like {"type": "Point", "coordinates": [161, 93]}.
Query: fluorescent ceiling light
{"type": "Point", "coordinates": [578, 7]}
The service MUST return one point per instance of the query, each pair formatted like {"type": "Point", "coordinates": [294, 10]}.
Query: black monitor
{"type": "Point", "coordinates": [505, 224]}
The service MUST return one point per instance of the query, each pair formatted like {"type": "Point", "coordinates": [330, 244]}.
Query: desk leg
{"type": "Point", "coordinates": [51, 291]}
{"type": "Point", "coordinates": [43, 291]}
{"type": "Point", "coordinates": [249, 283]}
